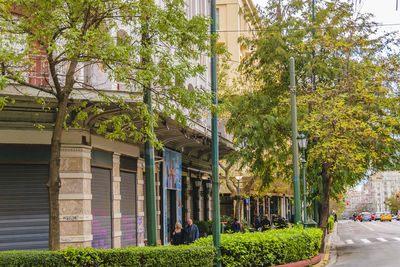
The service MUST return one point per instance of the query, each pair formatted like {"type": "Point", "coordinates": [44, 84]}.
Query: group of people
{"type": "Point", "coordinates": [185, 236]}
{"type": "Point", "coordinates": [262, 224]}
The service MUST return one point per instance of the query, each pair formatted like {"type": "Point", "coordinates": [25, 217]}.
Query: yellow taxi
{"type": "Point", "coordinates": [386, 217]}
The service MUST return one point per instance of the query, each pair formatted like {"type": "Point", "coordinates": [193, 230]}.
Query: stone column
{"type": "Point", "coordinates": [140, 203]}
{"type": "Point", "coordinates": [200, 199]}
{"type": "Point", "coordinates": [188, 198]}
{"type": "Point", "coordinates": [75, 196]}
{"type": "Point", "coordinates": [209, 202]}
{"type": "Point", "coordinates": [116, 201]}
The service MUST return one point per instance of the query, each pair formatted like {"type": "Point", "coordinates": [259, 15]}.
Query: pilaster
{"type": "Point", "coordinates": [75, 196]}
{"type": "Point", "coordinates": [116, 200]}
{"type": "Point", "coordinates": [140, 202]}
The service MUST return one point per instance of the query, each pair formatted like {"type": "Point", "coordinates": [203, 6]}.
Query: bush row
{"type": "Point", "coordinates": [133, 256]}
{"type": "Point", "coordinates": [267, 248]}
{"type": "Point", "coordinates": [249, 249]}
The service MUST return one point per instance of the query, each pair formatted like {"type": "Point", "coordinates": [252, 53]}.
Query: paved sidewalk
{"type": "Point", "coordinates": [329, 257]}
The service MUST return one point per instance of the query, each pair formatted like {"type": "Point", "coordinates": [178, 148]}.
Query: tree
{"type": "Point", "coordinates": [47, 46]}
{"type": "Point", "coordinates": [393, 203]}
{"type": "Point", "coordinates": [350, 114]}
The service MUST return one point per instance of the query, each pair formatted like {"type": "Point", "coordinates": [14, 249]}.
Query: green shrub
{"type": "Point", "coordinates": [331, 222]}
{"type": "Point", "coordinates": [267, 248]}
{"type": "Point", "coordinates": [31, 258]}
{"type": "Point", "coordinates": [205, 227]}
{"type": "Point", "coordinates": [132, 256]}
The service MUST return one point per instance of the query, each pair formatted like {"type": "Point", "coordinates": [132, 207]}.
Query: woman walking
{"type": "Point", "coordinates": [178, 236]}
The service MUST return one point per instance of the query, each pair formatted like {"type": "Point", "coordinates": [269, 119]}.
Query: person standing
{"type": "Point", "coordinates": [236, 226]}
{"type": "Point", "coordinates": [191, 232]}
{"type": "Point", "coordinates": [178, 236]}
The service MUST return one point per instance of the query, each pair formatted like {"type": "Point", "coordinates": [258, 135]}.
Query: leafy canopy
{"type": "Point", "coordinates": [350, 115]}
{"type": "Point", "coordinates": [72, 38]}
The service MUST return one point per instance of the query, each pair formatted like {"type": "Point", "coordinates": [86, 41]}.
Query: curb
{"type": "Point", "coordinates": [327, 248]}
{"type": "Point", "coordinates": [303, 263]}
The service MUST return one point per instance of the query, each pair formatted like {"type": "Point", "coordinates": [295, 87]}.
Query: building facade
{"type": "Point", "coordinates": [102, 194]}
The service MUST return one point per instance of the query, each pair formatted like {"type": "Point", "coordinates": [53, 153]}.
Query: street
{"type": "Point", "coordinates": [367, 243]}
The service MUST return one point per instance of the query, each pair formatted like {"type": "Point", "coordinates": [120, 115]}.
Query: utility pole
{"type": "Point", "coordinates": [214, 142]}
{"type": "Point", "coordinates": [149, 158]}
{"type": "Point", "coordinates": [295, 152]}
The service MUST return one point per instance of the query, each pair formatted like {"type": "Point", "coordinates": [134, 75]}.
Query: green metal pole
{"type": "Point", "coordinates": [149, 161]}
{"type": "Point", "coordinates": [303, 161]}
{"type": "Point", "coordinates": [214, 142]}
{"type": "Point", "coordinates": [296, 176]}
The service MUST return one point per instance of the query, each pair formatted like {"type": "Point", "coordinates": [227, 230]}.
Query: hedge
{"type": "Point", "coordinates": [267, 248]}
{"type": "Point", "coordinates": [133, 256]}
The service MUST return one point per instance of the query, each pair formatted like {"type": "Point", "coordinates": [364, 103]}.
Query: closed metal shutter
{"type": "Point", "coordinates": [101, 208]}
{"type": "Point", "coordinates": [128, 209]}
{"type": "Point", "coordinates": [24, 207]}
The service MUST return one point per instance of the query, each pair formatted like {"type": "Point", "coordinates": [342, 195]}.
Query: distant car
{"type": "Point", "coordinates": [386, 217]}
{"type": "Point", "coordinates": [377, 216]}
{"type": "Point", "coordinates": [365, 217]}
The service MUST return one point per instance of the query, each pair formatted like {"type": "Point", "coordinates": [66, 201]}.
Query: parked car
{"type": "Point", "coordinates": [377, 216]}
{"type": "Point", "coordinates": [365, 217]}
{"type": "Point", "coordinates": [387, 216]}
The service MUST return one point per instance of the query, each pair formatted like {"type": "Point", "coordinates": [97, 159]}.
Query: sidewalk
{"type": "Point", "coordinates": [329, 257]}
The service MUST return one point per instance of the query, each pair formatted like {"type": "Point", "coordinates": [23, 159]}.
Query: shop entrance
{"type": "Point", "coordinates": [171, 212]}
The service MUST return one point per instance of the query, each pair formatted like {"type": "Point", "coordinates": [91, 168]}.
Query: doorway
{"type": "Point", "coordinates": [171, 212]}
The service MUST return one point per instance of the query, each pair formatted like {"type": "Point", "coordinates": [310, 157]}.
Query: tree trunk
{"type": "Point", "coordinates": [54, 182]}
{"type": "Point", "coordinates": [324, 207]}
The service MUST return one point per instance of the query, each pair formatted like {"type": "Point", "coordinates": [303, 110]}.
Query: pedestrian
{"type": "Point", "coordinates": [236, 226]}
{"type": "Point", "coordinates": [178, 236]}
{"type": "Point", "coordinates": [191, 232]}
{"type": "Point", "coordinates": [335, 217]}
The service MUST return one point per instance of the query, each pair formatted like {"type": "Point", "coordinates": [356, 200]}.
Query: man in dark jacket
{"type": "Point", "coordinates": [191, 232]}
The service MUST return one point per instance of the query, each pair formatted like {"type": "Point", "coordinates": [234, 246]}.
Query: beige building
{"type": "Point", "coordinates": [233, 23]}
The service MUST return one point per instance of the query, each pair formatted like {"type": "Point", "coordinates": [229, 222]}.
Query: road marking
{"type": "Point", "coordinates": [349, 242]}
{"type": "Point", "coordinates": [366, 241]}
{"type": "Point", "coordinates": [381, 239]}
{"type": "Point", "coordinates": [369, 228]}
{"type": "Point", "coordinates": [397, 238]}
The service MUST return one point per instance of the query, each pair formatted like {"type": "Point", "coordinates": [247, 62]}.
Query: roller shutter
{"type": "Point", "coordinates": [24, 207]}
{"type": "Point", "coordinates": [128, 209]}
{"type": "Point", "coordinates": [101, 208]}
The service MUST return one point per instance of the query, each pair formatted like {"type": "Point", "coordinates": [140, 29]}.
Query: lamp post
{"type": "Point", "coordinates": [302, 140]}
{"type": "Point", "coordinates": [238, 178]}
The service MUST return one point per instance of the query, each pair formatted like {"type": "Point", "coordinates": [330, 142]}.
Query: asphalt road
{"type": "Point", "coordinates": [367, 244]}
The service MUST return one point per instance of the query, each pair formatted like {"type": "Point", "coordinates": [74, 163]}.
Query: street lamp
{"type": "Point", "coordinates": [238, 178]}
{"type": "Point", "coordinates": [302, 141]}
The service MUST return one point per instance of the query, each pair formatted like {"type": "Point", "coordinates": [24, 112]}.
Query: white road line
{"type": "Point", "coordinates": [396, 238]}
{"type": "Point", "coordinates": [381, 239]}
{"type": "Point", "coordinates": [349, 242]}
{"type": "Point", "coordinates": [366, 241]}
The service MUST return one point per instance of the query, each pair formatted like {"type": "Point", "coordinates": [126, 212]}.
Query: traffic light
{"type": "Point", "coordinates": [347, 203]}
{"type": "Point", "coordinates": [397, 195]}
{"type": "Point", "coordinates": [384, 201]}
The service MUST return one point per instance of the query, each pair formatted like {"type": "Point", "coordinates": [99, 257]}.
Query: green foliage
{"type": "Point", "coordinates": [205, 227]}
{"type": "Point", "coordinates": [267, 248]}
{"type": "Point", "coordinates": [331, 223]}
{"type": "Point", "coordinates": [132, 256]}
{"type": "Point", "coordinates": [114, 36]}
{"type": "Point", "coordinates": [31, 258]}
{"type": "Point", "coordinates": [393, 203]}
{"type": "Point", "coordinates": [350, 114]}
